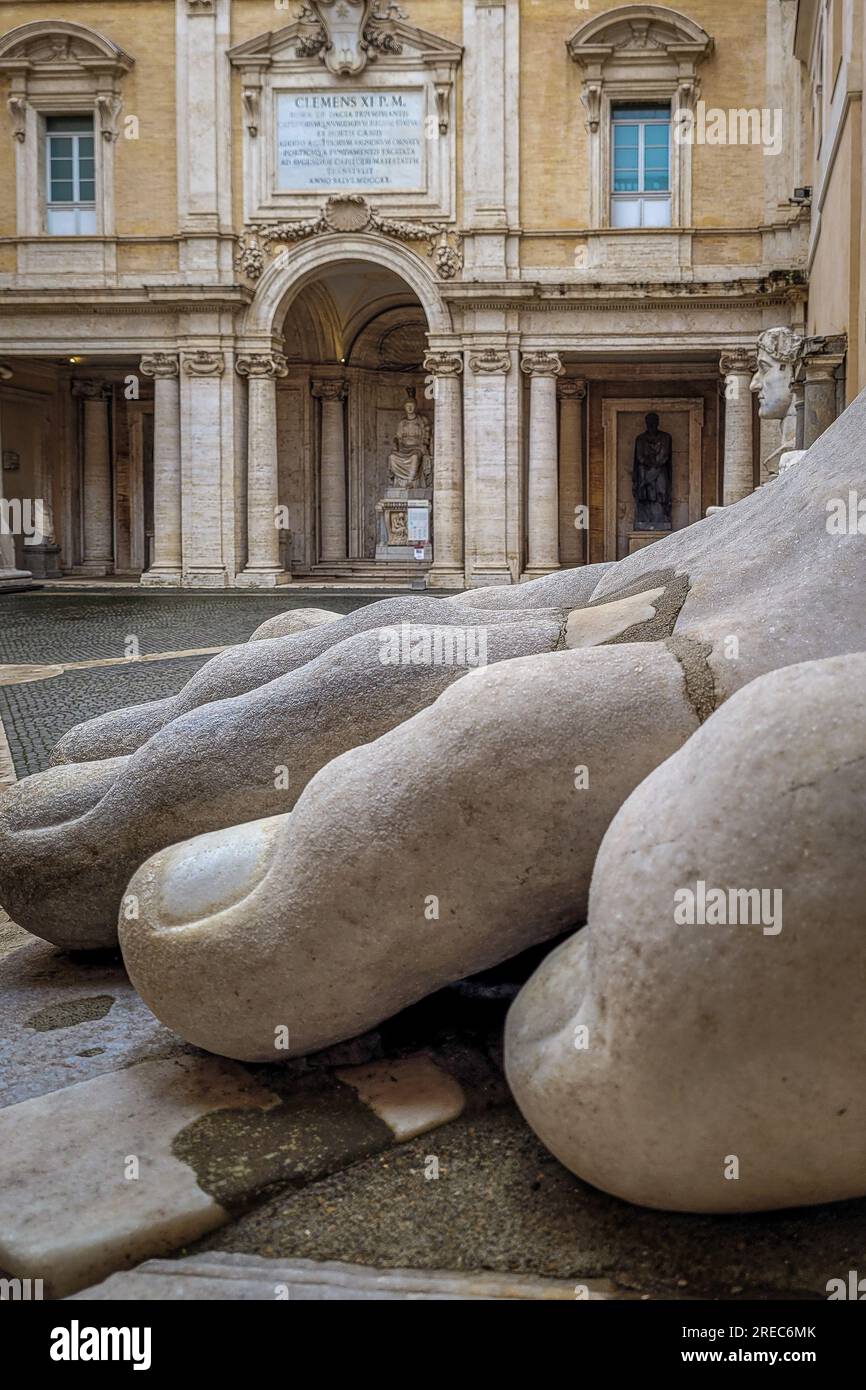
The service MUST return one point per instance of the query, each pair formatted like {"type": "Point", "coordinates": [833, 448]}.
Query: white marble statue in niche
{"type": "Point", "coordinates": [410, 465]}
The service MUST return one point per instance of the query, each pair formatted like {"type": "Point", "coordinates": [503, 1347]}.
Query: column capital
{"type": "Point", "coordinates": [738, 362]}
{"type": "Point", "coordinates": [91, 390]}
{"type": "Point", "coordinates": [261, 364]}
{"type": "Point", "coordinates": [331, 389]}
{"type": "Point", "coordinates": [821, 358]}
{"type": "Point", "coordinates": [834, 345]}
{"type": "Point", "coordinates": [203, 363]}
{"type": "Point", "coordinates": [441, 362]}
{"type": "Point", "coordinates": [569, 389]}
{"type": "Point", "coordinates": [541, 364]}
{"type": "Point", "coordinates": [160, 364]}
{"type": "Point", "coordinates": [490, 362]}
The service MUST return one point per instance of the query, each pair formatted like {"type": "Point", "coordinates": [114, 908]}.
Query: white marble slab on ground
{"type": "Point", "coordinates": [88, 1180]}
{"type": "Point", "coordinates": [411, 1094]}
{"type": "Point", "coordinates": [241, 1278]}
{"type": "Point", "coordinates": [64, 1020]}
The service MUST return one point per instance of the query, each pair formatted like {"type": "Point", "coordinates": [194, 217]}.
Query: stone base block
{"type": "Point", "coordinates": [485, 579]}
{"type": "Point", "coordinates": [262, 579]}
{"type": "Point", "coordinates": [446, 577]}
{"type": "Point", "coordinates": [161, 579]}
{"type": "Point", "coordinates": [205, 579]}
{"type": "Point", "coordinates": [44, 561]}
{"type": "Point", "coordinates": [538, 573]}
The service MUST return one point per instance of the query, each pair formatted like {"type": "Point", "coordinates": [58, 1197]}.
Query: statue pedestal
{"type": "Point", "coordinates": [637, 540]}
{"type": "Point", "coordinates": [404, 516]}
{"type": "Point", "coordinates": [44, 560]}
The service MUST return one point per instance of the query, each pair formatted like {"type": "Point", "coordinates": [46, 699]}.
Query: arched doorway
{"type": "Point", "coordinates": [355, 339]}
{"type": "Point", "coordinates": [369, 372]}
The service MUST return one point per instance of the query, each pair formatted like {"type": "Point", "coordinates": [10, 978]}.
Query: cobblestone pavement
{"type": "Point", "coordinates": [49, 628]}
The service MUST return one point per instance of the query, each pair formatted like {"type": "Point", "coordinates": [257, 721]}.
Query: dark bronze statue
{"type": "Point", "coordinates": [652, 479]}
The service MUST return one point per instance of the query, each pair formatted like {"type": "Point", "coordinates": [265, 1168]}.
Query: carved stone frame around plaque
{"type": "Point", "coordinates": [280, 63]}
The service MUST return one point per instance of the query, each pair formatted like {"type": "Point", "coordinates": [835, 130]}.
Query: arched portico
{"type": "Point", "coordinates": [334, 345]}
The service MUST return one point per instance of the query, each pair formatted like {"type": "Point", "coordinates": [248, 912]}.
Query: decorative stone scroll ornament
{"type": "Point", "coordinates": [89, 390]}
{"type": "Point", "coordinates": [330, 389]}
{"type": "Point", "coordinates": [443, 363]}
{"type": "Point", "coordinates": [739, 362]}
{"type": "Point", "coordinates": [203, 363]}
{"type": "Point", "coordinates": [17, 107]}
{"type": "Point", "coordinates": [541, 364]}
{"type": "Point", "coordinates": [569, 389]}
{"type": "Point", "coordinates": [490, 362]}
{"type": "Point", "coordinates": [159, 364]}
{"type": "Point", "coordinates": [345, 213]}
{"type": "Point", "coordinates": [108, 108]}
{"type": "Point", "coordinates": [346, 34]}
{"type": "Point", "coordinates": [262, 364]}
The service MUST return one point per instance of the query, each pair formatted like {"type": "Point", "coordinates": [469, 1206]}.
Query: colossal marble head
{"type": "Point", "coordinates": [778, 351]}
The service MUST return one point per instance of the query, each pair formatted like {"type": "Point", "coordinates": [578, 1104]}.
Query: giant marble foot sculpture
{"type": "Point", "coordinates": [696, 1048]}
{"type": "Point", "coordinates": [71, 837]}
{"type": "Point", "coordinates": [249, 666]}
{"type": "Point", "coordinates": [461, 837]}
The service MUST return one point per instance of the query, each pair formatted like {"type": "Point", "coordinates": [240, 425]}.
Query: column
{"type": "Point", "coordinates": [738, 368]}
{"type": "Point", "coordinates": [11, 577]}
{"type": "Point", "coordinates": [448, 566]}
{"type": "Point", "coordinates": [97, 505]}
{"type": "Point", "coordinates": [572, 538]}
{"type": "Point", "coordinates": [208, 490]}
{"type": "Point", "coordinates": [543, 493]}
{"type": "Point", "coordinates": [332, 469]}
{"type": "Point", "coordinates": [263, 568]}
{"type": "Point", "coordinates": [167, 544]}
{"type": "Point", "coordinates": [486, 453]}
{"type": "Point", "coordinates": [822, 358]}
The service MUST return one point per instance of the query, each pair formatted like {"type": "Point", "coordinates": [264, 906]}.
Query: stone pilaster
{"type": "Point", "coordinates": [572, 537]}
{"type": "Point", "coordinates": [332, 393]}
{"type": "Point", "coordinates": [542, 503]}
{"type": "Point", "coordinates": [203, 94]}
{"type": "Point", "coordinates": [263, 568]}
{"type": "Point", "coordinates": [167, 564]}
{"type": "Point", "coordinates": [97, 505]}
{"type": "Point", "coordinates": [446, 368]}
{"type": "Point", "coordinates": [738, 367]}
{"type": "Point", "coordinates": [489, 115]}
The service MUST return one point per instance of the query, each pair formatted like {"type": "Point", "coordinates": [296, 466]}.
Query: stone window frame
{"type": "Point", "coordinates": [74, 71]}
{"type": "Point", "coordinates": [655, 60]}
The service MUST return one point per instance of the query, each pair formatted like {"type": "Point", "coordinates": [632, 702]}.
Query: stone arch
{"type": "Point", "coordinates": [26, 42]}
{"type": "Point", "coordinates": [287, 275]}
{"type": "Point", "coordinates": [637, 28]}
